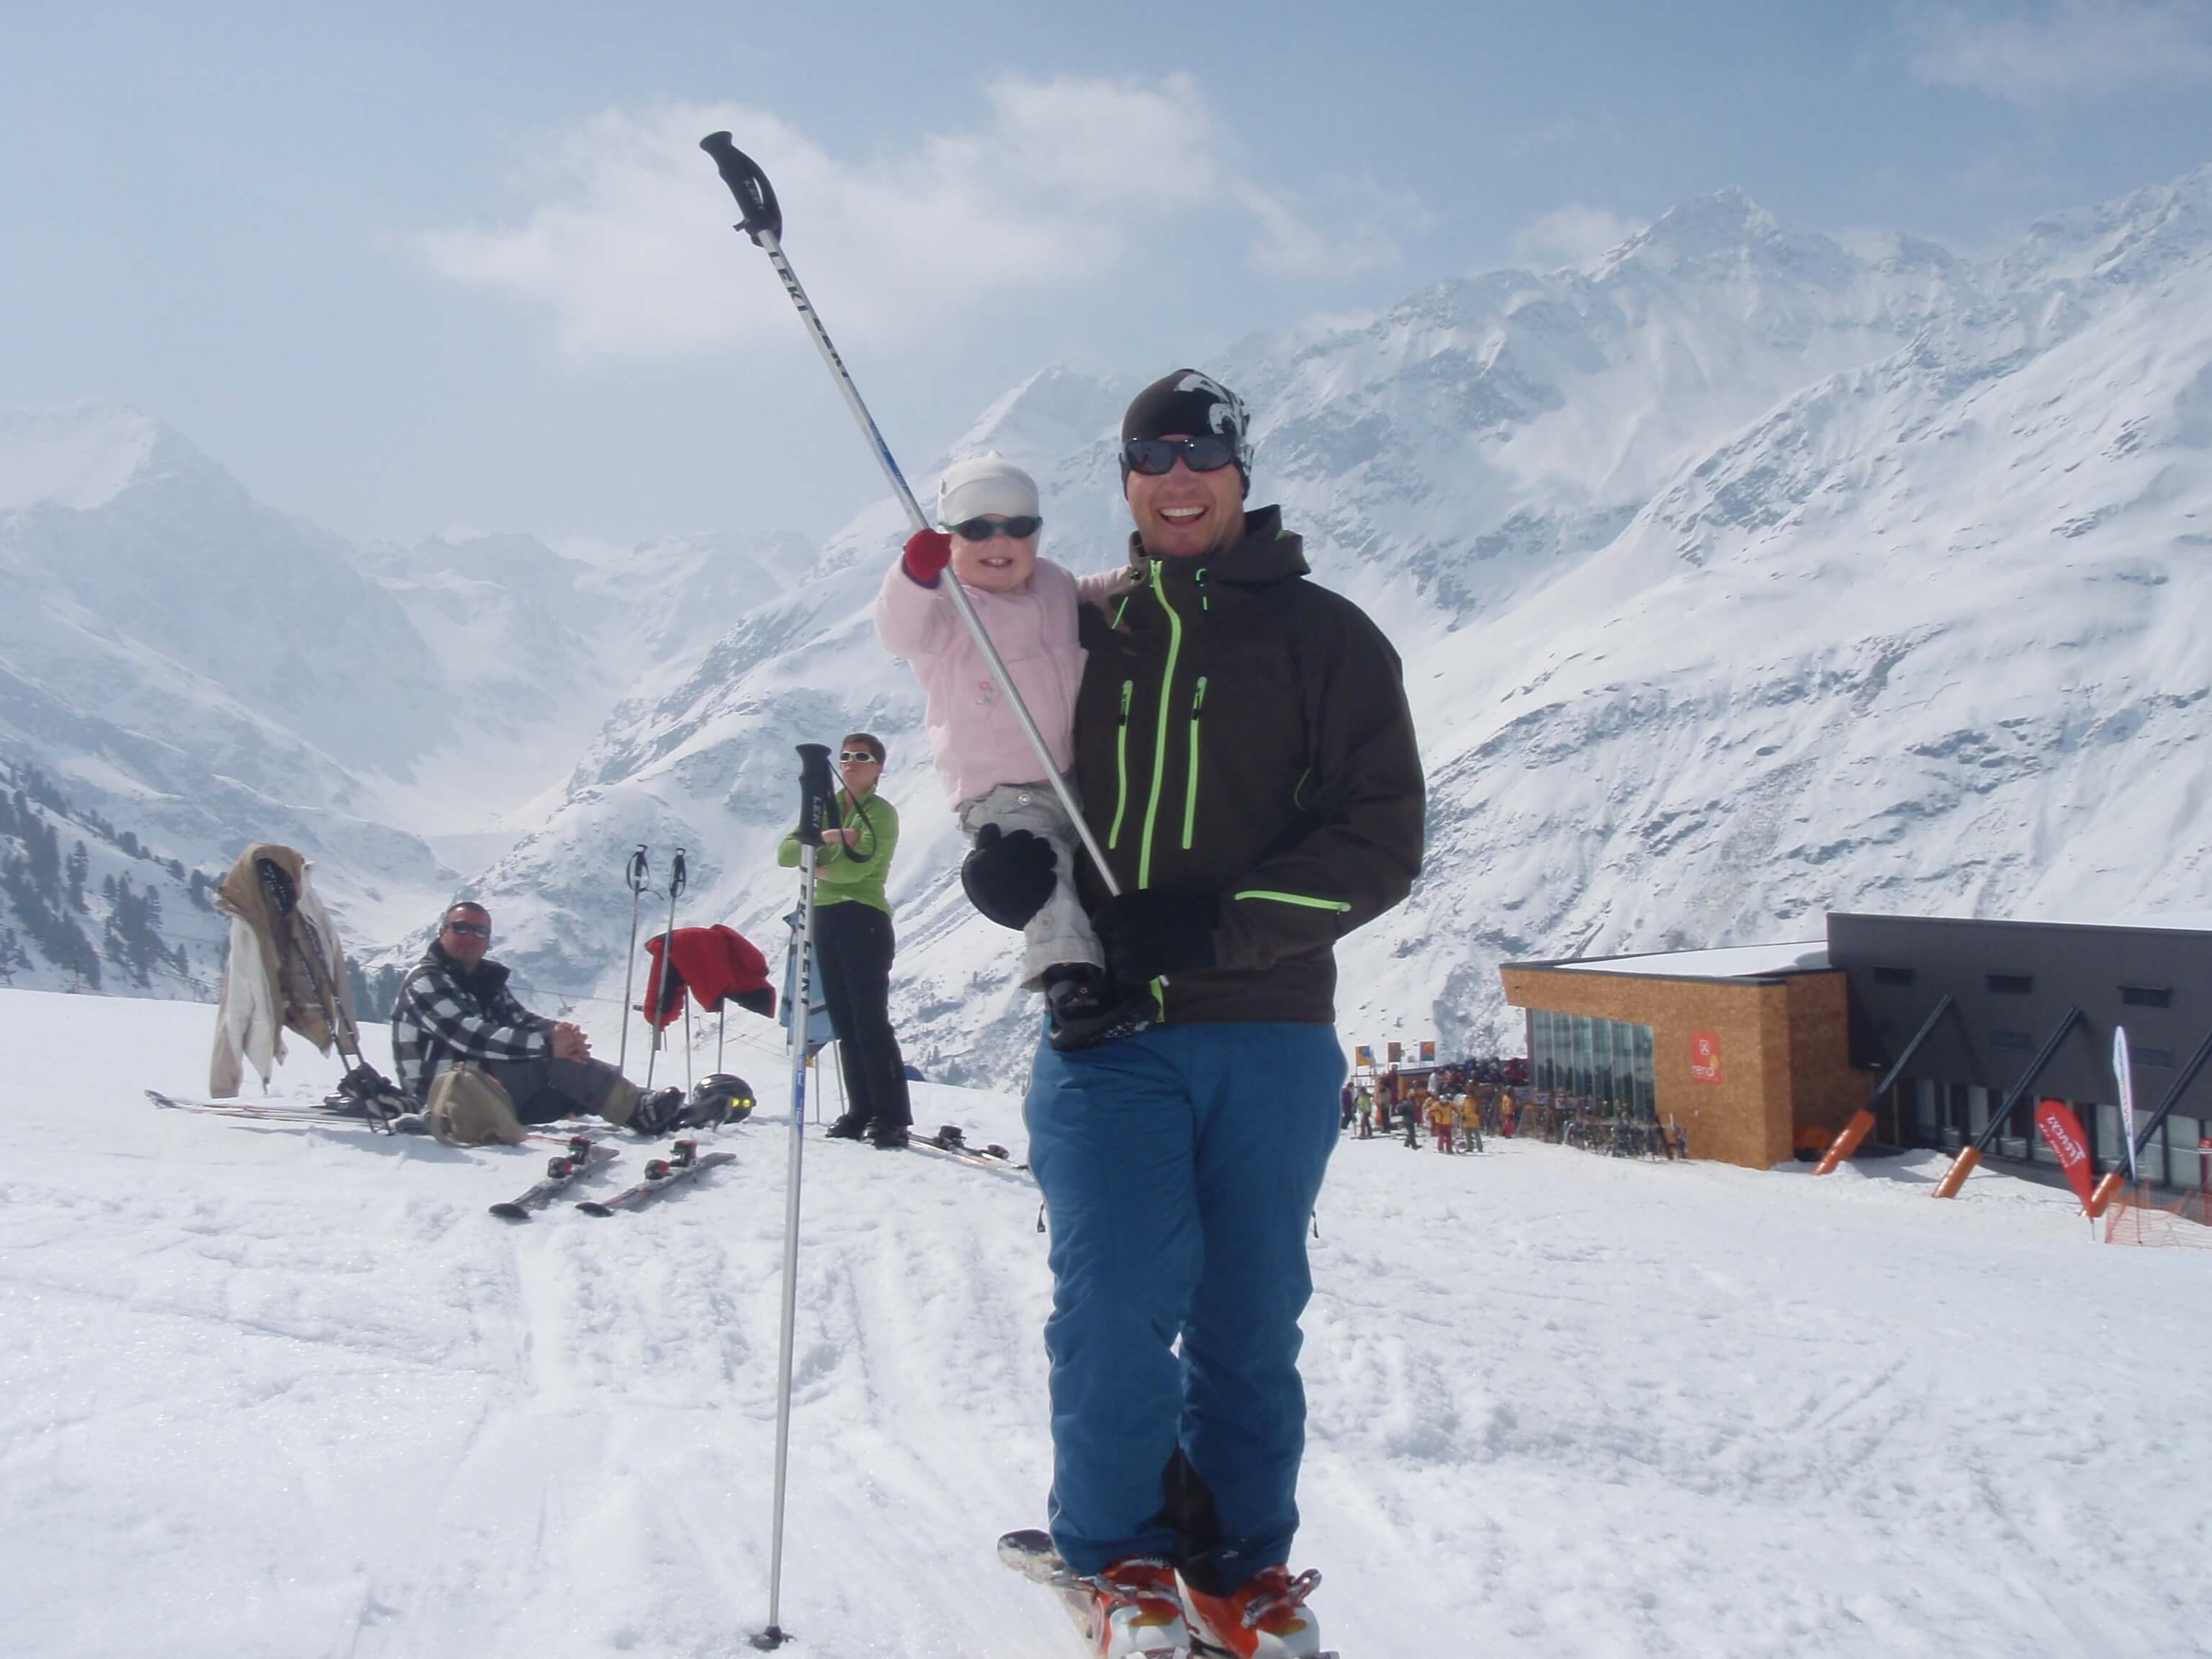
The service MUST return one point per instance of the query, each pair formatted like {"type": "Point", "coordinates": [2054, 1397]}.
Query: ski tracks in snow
{"type": "Point", "coordinates": [300, 1396]}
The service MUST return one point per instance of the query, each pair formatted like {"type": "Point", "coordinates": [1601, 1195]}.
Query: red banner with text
{"type": "Point", "coordinates": [2063, 1130]}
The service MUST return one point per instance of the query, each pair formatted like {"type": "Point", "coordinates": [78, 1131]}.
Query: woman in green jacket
{"type": "Point", "coordinates": [853, 945]}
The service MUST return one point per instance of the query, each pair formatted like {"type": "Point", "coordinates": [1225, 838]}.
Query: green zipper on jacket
{"type": "Point", "coordinates": [1160, 737]}
{"type": "Point", "coordinates": [1121, 767]}
{"type": "Point", "coordinates": [1303, 900]}
{"type": "Point", "coordinates": [1190, 786]}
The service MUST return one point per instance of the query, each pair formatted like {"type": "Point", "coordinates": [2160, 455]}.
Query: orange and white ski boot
{"type": "Point", "coordinates": [1135, 1612]}
{"type": "Point", "coordinates": [1265, 1618]}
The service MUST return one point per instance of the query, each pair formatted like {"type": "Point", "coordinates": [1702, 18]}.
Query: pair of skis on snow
{"type": "Point", "coordinates": [586, 1156]}
{"type": "Point", "coordinates": [580, 1155]}
{"type": "Point", "coordinates": [1030, 1552]}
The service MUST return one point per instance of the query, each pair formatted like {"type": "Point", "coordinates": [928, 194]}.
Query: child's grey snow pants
{"type": "Point", "coordinates": [1059, 935]}
{"type": "Point", "coordinates": [1180, 1168]}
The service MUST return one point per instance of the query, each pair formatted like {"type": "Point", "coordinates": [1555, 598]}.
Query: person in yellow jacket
{"type": "Point", "coordinates": [1441, 1117]}
{"type": "Point", "coordinates": [1468, 1111]}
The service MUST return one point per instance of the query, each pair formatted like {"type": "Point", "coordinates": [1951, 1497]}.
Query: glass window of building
{"type": "Point", "coordinates": [1608, 1062]}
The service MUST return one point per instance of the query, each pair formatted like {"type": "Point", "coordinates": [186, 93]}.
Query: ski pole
{"type": "Point", "coordinates": [814, 806]}
{"type": "Point", "coordinates": [662, 984]}
{"type": "Point", "coordinates": [635, 874]}
{"type": "Point", "coordinates": [763, 222]}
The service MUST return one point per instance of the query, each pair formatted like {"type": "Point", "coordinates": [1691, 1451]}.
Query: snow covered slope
{"type": "Point", "coordinates": [1739, 576]}
{"type": "Point", "coordinates": [271, 1392]}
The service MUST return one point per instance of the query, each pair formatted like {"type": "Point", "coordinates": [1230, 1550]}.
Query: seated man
{"type": "Point", "coordinates": [456, 1027]}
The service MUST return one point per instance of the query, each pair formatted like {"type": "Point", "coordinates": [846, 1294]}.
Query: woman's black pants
{"type": "Point", "coordinates": [853, 947]}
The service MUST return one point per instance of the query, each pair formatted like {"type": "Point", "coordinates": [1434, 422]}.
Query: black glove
{"type": "Point", "coordinates": [1153, 932]}
{"type": "Point", "coordinates": [1008, 877]}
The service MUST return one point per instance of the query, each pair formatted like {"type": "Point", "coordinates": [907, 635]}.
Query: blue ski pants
{"type": "Point", "coordinates": [1180, 1168]}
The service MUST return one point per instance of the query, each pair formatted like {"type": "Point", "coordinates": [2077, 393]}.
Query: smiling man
{"type": "Point", "coordinates": [1247, 760]}
{"type": "Point", "coordinates": [484, 1065]}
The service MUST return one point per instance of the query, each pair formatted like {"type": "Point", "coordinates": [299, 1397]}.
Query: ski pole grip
{"type": "Point", "coordinates": [637, 874]}
{"type": "Point", "coordinates": [755, 196]}
{"type": "Point", "coordinates": [817, 794]}
{"type": "Point", "coordinates": [677, 876]}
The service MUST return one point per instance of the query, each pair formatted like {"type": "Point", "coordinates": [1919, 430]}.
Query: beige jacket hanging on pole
{"type": "Point", "coordinates": [266, 987]}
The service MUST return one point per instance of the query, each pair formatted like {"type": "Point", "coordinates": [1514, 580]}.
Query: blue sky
{"type": "Point", "coordinates": [408, 267]}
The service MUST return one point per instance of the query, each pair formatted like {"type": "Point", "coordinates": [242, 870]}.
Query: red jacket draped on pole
{"type": "Point", "coordinates": [716, 964]}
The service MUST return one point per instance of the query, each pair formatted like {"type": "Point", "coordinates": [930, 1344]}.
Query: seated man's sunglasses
{"type": "Point", "coordinates": [981, 530]}
{"type": "Point", "coordinates": [1153, 456]}
{"type": "Point", "coordinates": [474, 929]}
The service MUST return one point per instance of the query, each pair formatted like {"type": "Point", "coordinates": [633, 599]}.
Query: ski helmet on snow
{"type": "Point", "coordinates": [717, 1098]}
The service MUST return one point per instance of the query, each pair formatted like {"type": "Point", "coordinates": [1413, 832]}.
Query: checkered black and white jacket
{"type": "Point", "coordinates": [445, 1017]}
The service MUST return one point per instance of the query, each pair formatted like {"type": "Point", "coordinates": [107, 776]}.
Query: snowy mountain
{"type": "Point", "coordinates": [206, 672]}
{"type": "Point", "coordinates": [1739, 575]}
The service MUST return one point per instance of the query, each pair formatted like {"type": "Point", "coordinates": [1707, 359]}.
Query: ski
{"type": "Point", "coordinates": [339, 1117]}
{"type": "Point", "coordinates": [337, 1114]}
{"type": "Point", "coordinates": [1030, 1552]}
{"type": "Point", "coordinates": [583, 1156]}
{"type": "Point", "coordinates": [950, 1142]}
{"type": "Point", "coordinates": [682, 1163]}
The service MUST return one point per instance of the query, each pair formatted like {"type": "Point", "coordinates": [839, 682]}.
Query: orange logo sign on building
{"type": "Point", "coordinates": [1705, 1056]}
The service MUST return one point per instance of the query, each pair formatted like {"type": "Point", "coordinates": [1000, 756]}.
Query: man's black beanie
{"type": "Point", "coordinates": [1194, 404]}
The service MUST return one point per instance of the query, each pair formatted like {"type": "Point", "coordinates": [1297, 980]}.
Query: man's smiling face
{"type": "Point", "coordinates": [1181, 514]}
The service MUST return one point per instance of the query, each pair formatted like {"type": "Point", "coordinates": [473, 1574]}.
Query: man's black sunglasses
{"type": "Point", "coordinates": [475, 929]}
{"type": "Point", "coordinates": [1153, 456]}
{"type": "Point", "coordinates": [981, 530]}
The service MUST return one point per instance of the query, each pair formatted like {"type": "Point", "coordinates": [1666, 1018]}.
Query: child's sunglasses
{"type": "Point", "coordinates": [981, 530]}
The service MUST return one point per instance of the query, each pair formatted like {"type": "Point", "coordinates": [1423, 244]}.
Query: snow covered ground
{"type": "Point", "coordinates": [272, 1391]}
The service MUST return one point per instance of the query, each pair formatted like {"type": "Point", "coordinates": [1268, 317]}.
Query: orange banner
{"type": "Point", "coordinates": [1705, 1056]}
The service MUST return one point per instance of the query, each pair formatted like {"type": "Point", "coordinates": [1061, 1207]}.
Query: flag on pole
{"type": "Point", "coordinates": [2063, 1131]}
{"type": "Point", "coordinates": [1363, 1056]}
{"type": "Point", "coordinates": [2123, 1073]}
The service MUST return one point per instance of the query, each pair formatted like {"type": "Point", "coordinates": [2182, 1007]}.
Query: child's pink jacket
{"type": "Point", "coordinates": [977, 741]}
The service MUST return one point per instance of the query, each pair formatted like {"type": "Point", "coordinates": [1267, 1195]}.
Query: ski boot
{"type": "Point", "coordinates": [1135, 1612]}
{"type": "Point", "coordinates": [1265, 1618]}
{"type": "Point", "coordinates": [656, 1114]}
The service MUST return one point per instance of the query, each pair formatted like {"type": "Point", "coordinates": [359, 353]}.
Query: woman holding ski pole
{"type": "Point", "coordinates": [854, 945]}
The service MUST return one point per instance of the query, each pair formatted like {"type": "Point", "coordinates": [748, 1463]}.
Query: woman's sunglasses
{"type": "Point", "coordinates": [981, 530]}
{"type": "Point", "coordinates": [1154, 456]}
{"type": "Point", "coordinates": [857, 757]}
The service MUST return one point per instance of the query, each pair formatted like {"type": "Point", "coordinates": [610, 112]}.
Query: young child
{"type": "Point", "coordinates": [990, 771]}
{"type": "Point", "coordinates": [1440, 1122]}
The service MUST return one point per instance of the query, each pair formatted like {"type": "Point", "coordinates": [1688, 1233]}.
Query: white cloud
{"type": "Point", "coordinates": [2066, 48]}
{"type": "Point", "coordinates": [1571, 235]}
{"type": "Point", "coordinates": [622, 231]}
